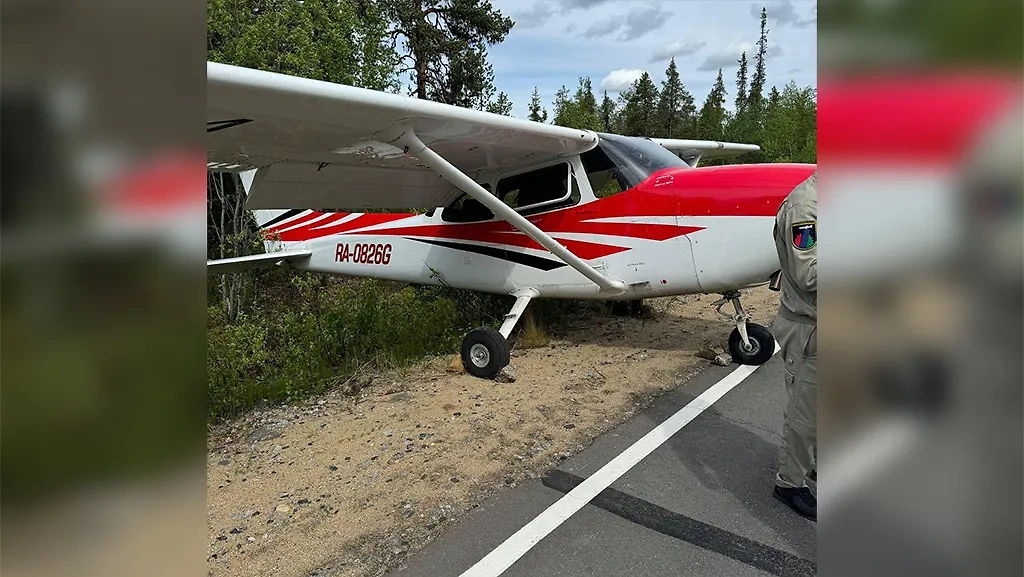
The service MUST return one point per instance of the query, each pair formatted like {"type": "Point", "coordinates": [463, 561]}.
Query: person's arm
{"type": "Point", "coordinates": [801, 230]}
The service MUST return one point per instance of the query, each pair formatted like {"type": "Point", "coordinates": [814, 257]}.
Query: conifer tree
{"type": "Point", "coordinates": [537, 112]}
{"type": "Point", "coordinates": [562, 109]}
{"type": "Point", "coordinates": [607, 113]}
{"type": "Point", "coordinates": [585, 107]}
{"type": "Point", "coordinates": [676, 110]}
{"type": "Point", "coordinates": [640, 113]}
{"type": "Point", "coordinates": [501, 106]}
{"type": "Point", "coordinates": [741, 83]}
{"type": "Point", "coordinates": [756, 95]}
{"type": "Point", "coordinates": [712, 113]}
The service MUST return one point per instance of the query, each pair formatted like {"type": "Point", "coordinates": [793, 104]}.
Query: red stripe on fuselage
{"type": "Point", "coordinates": [723, 191]}
{"type": "Point", "coordinates": [363, 220]}
{"type": "Point", "coordinates": [276, 229]}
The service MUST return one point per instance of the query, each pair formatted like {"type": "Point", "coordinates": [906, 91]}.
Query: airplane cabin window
{"type": "Point", "coordinates": [467, 209]}
{"type": "Point", "coordinates": [528, 193]}
{"type": "Point", "coordinates": [538, 190]}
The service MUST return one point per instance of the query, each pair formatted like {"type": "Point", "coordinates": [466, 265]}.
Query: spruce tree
{"type": "Point", "coordinates": [562, 109]}
{"type": "Point", "coordinates": [585, 114]}
{"type": "Point", "coordinates": [741, 83]}
{"type": "Point", "coordinates": [641, 115]}
{"type": "Point", "coordinates": [676, 109]}
{"type": "Point", "coordinates": [712, 113]}
{"type": "Point", "coordinates": [607, 113]}
{"type": "Point", "coordinates": [537, 112]}
{"type": "Point", "coordinates": [501, 106]}
{"type": "Point", "coordinates": [756, 95]}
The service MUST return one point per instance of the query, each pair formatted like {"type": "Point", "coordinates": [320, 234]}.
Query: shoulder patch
{"type": "Point", "coordinates": [805, 234]}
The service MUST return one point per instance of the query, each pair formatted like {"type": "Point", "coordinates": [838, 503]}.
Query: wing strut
{"type": "Point", "coordinates": [430, 158]}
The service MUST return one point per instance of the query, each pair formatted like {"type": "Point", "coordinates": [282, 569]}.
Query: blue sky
{"type": "Point", "coordinates": [554, 42]}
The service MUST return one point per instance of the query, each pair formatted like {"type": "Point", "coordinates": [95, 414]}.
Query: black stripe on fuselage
{"type": "Point", "coordinates": [529, 260]}
{"type": "Point", "coordinates": [283, 216]}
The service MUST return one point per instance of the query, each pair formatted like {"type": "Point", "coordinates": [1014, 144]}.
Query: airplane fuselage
{"type": "Point", "coordinates": [680, 231]}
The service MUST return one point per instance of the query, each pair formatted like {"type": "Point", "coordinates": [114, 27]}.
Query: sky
{"type": "Point", "coordinates": [554, 42]}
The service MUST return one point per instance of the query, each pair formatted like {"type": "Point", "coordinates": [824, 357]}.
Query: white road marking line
{"type": "Point", "coordinates": [502, 557]}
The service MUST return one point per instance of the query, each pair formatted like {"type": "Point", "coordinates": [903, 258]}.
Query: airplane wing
{"type": "Point", "coordinates": [692, 151]}
{"type": "Point", "coordinates": [328, 146]}
{"type": "Point", "coordinates": [266, 260]}
{"type": "Point", "coordinates": [331, 146]}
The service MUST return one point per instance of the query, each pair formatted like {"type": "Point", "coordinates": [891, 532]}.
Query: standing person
{"type": "Point", "coordinates": [795, 329]}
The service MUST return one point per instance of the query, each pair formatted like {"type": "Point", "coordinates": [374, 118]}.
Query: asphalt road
{"type": "Point", "coordinates": [699, 504]}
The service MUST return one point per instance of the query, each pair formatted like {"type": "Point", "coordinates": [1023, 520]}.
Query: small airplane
{"type": "Point", "coordinates": [516, 207]}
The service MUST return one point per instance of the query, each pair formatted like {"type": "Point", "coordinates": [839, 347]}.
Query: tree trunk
{"type": "Point", "coordinates": [229, 225]}
{"type": "Point", "coordinates": [421, 78]}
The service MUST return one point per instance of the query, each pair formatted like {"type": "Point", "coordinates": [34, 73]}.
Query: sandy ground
{"type": "Point", "coordinates": [353, 482]}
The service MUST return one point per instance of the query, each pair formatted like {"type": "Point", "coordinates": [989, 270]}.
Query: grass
{"type": "Point", "coordinates": [532, 334]}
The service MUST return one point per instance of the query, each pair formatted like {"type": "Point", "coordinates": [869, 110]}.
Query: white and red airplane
{"type": "Point", "coordinates": [516, 205]}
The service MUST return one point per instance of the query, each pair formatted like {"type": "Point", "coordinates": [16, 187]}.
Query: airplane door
{"type": "Point", "coordinates": [662, 262]}
{"type": "Point", "coordinates": [469, 258]}
{"type": "Point", "coordinates": [683, 266]}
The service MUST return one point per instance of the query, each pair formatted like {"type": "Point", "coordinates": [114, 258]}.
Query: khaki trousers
{"type": "Point", "coordinates": [799, 344]}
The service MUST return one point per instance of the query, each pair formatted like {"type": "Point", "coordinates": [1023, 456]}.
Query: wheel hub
{"type": "Point", "coordinates": [740, 319]}
{"type": "Point", "coordinates": [751, 347]}
{"type": "Point", "coordinates": [480, 356]}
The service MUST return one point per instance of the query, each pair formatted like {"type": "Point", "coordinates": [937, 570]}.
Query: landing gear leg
{"type": "Point", "coordinates": [485, 351]}
{"type": "Point", "coordinates": [749, 343]}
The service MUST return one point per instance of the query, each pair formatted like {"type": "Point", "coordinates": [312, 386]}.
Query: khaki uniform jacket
{"type": "Point", "coordinates": [796, 235]}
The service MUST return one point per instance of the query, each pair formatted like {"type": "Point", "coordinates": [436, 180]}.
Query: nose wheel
{"type": "Point", "coordinates": [749, 343]}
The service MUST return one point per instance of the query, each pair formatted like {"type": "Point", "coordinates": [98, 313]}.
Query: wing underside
{"type": "Point", "coordinates": [330, 146]}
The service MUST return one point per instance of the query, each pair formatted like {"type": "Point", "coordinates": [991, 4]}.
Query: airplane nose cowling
{"type": "Point", "coordinates": [737, 189]}
{"type": "Point", "coordinates": [735, 208]}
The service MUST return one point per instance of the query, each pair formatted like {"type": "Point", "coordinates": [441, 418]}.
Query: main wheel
{"type": "Point", "coordinates": [761, 349]}
{"type": "Point", "coordinates": [484, 352]}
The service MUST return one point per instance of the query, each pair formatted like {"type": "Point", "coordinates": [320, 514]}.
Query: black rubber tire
{"type": "Point", "coordinates": [498, 354]}
{"type": "Point", "coordinates": [763, 345]}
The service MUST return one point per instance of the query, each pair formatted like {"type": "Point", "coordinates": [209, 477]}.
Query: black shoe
{"type": "Point", "coordinates": [798, 499]}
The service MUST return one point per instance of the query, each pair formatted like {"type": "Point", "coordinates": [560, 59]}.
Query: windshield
{"type": "Point", "coordinates": [636, 158]}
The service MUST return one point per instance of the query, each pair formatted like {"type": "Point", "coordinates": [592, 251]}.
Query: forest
{"type": "Point", "coordinates": [280, 336]}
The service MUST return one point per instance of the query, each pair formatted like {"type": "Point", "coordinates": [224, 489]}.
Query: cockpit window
{"type": "Point", "coordinates": [633, 158]}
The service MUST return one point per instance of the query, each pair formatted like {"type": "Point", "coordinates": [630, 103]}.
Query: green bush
{"type": "Point", "coordinates": [308, 333]}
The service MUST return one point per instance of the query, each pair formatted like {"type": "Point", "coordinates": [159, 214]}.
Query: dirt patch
{"type": "Point", "coordinates": [353, 482]}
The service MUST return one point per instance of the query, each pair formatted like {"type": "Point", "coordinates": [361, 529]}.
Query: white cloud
{"type": "Point", "coordinates": [619, 80]}
{"type": "Point", "coordinates": [729, 57]}
{"type": "Point", "coordinates": [671, 49]}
